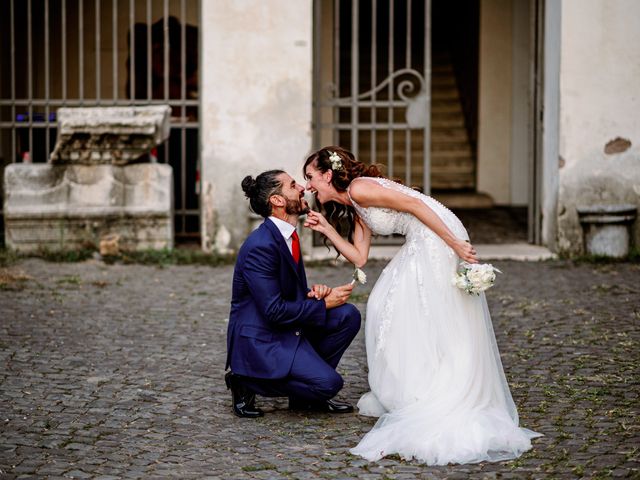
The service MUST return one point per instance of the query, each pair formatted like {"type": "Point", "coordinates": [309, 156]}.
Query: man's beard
{"type": "Point", "coordinates": [296, 207]}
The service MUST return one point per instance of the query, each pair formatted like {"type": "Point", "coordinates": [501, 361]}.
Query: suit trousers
{"type": "Point", "coordinates": [313, 375]}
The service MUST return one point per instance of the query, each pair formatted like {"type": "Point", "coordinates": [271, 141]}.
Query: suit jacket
{"type": "Point", "coordinates": [269, 306]}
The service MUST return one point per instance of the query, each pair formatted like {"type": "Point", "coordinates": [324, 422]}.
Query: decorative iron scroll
{"type": "Point", "coordinates": [403, 88]}
{"type": "Point", "coordinates": [411, 91]}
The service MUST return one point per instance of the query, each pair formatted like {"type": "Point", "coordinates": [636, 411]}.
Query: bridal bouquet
{"type": "Point", "coordinates": [474, 278]}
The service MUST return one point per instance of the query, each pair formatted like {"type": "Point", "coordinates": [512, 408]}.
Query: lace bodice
{"type": "Point", "coordinates": [385, 221]}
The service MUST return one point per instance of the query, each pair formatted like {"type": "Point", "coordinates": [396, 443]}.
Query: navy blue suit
{"type": "Point", "coordinates": [279, 341]}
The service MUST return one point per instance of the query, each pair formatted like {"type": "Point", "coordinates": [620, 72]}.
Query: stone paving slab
{"type": "Point", "coordinates": [114, 371]}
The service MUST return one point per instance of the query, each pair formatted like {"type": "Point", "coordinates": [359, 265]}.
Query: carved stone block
{"type": "Point", "coordinates": [109, 135]}
{"type": "Point", "coordinates": [70, 207]}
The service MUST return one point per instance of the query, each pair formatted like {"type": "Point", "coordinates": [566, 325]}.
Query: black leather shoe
{"type": "Point", "coordinates": [328, 406]}
{"type": "Point", "coordinates": [242, 399]}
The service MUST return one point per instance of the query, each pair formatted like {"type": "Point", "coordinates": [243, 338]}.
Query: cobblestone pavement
{"type": "Point", "coordinates": [117, 371]}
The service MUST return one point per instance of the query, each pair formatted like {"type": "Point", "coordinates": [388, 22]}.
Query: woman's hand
{"type": "Point", "coordinates": [465, 251]}
{"type": "Point", "coordinates": [356, 252]}
{"type": "Point", "coordinates": [316, 221]}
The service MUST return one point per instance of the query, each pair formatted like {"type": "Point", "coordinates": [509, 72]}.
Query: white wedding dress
{"type": "Point", "coordinates": [435, 373]}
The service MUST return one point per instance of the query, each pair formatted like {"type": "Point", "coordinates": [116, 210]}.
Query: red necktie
{"type": "Point", "coordinates": [295, 246]}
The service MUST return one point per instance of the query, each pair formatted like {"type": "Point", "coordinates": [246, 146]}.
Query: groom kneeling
{"type": "Point", "coordinates": [284, 339]}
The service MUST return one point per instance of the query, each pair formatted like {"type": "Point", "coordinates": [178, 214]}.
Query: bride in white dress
{"type": "Point", "coordinates": [435, 373]}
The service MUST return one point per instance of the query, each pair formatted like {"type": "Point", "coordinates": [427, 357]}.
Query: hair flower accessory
{"type": "Point", "coordinates": [336, 161]}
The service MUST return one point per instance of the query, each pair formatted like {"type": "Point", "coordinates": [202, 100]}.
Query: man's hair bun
{"type": "Point", "coordinates": [249, 186]}
{"type": "Point", "coordinates": [260, 189]}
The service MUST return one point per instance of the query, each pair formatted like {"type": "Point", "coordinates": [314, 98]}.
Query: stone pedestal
{"type": "Point", "coordinates": [74, 206]}
{"type": "Point", "coordinates": [606, 228]}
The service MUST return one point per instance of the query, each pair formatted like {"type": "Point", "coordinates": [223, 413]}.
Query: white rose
{"type": "Point", "coordinates": [491, 277]}
{"type": "Point", "coordinates": [460, 281]}
{"type": "Point", "coordinates": [475, 275]}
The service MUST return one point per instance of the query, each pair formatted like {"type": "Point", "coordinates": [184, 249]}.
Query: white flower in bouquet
{"type": "Point", "coordinates": [359, 276]}
{"type": "Point", "coordinates": [475, 278]}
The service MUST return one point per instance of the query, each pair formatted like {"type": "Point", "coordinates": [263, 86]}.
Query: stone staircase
{"type": "Point", "coordinates": [453, 164]}
{"type": "Point", "coordinates": [452, 158]}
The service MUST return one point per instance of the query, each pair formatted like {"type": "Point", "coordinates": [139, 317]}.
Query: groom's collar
{"type": "Point", "coordinates": [286, 229]}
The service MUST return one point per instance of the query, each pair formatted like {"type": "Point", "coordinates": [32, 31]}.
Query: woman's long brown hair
{"type": "Point", "coordinates": [341, 179]}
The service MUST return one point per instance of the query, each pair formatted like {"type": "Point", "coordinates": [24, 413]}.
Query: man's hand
{"type": "Point", "coordinates": [338, 296]}
{"type": "Point", "coordinates": [319, 292]}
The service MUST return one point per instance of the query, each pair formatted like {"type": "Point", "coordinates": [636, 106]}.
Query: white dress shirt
{"type": "Point", "coordinates": [286, 229]}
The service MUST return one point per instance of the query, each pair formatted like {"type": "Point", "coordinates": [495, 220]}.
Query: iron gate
{"type": "Point", "coordinates": [102, 53]}
{"type": "Point", "coordinates": [372, 83]}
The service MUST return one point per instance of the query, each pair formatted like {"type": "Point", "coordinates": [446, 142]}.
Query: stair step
{"type": "Point", "coordinates": [453, 141]}
{"type": "Point", "coordinates": [446, 107]}
{"type": "Point", "coordinates": [441, 67]}
{"type": "Point", "coordinates": [441, 183]}
{"type": "Point", "coordinates": [436, 116]}
{"type": "Point", "coordinates": [464, 153]}
{"type": "Point", "coordinates": [453, 183]}
{"type": "Point", "coordinates": [448, 135]}
{"type": "Point", "coordinates": [418, 169]}
{"type": "Point", "coordinates": [449, 143]}
{"type": "Point", "coordinates": [442, 102]}
{"type": "Point", "coordinates": [463, 199]}
{"type": "Point", "coordinates": [452, 161]}
{"type": "Point", "coordinates": [445, 94]}
{"type": "Point", "coordinates": [447, 122]}
{"type": "Point", "coordinates": [453, 148]}
{"type": "Point", "coordinates": [464, 160]}
{"type": "Point", "coordinates": [440, 81]}
{"type": "Point", "coordinates": [439, 136]}
{"type": "Point", "coordinates": [439, 147]}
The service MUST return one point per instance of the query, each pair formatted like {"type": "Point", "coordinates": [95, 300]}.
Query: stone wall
{"type": "Point", "coordinates": [599, 112]}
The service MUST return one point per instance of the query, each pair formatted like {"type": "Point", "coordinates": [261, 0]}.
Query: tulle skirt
{"type": "Point", "coordinates": [435, 374]}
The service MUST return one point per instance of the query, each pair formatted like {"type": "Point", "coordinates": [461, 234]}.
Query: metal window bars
{"type": "Point", "coordinates": [102, 53]}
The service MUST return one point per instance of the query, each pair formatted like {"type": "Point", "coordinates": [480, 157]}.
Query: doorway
{"type": "Point", "coordinates": [486, 77]}
{"type": "Point", "coordinates": [441, 94]}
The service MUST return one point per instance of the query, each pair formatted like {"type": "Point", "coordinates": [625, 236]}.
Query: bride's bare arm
{"type": "Point", "coordinates": [368, 193]}
{"type": "Point", "coordinates": [356, 252]}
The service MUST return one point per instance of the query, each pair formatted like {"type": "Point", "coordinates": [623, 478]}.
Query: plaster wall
{"type": "Point", "coordinates": [256, 104]}
{"type": "Point", "coordinates": [599, 102]}
{"type": "Point", "coordinates": [495, 97]}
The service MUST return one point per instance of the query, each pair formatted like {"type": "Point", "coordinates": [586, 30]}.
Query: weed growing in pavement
{"type": "Point", "coordinates": [163, 257]}
{"type": "Point", "coordinates": [8, 257]}
{"type": "Point", "coordinates": [174, 256]}
{"type": "Point", "coordinates": [69, 279]}
{"type": "Point", "coordinates": [633, 257]}
{"type": "Point", "coordinates": [359, 298]}
{"type": "Point", "coordinates": [258, 468]}
{"type": "Point", "coordinates": [578, 470]}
